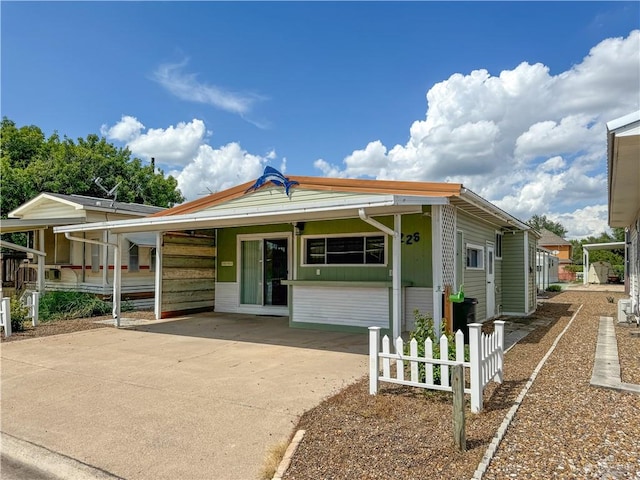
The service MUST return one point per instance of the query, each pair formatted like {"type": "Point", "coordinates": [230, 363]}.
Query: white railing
{"type": "Point", "coordinates": [486, 355]}
{"type": "Point", "coordinates": [33, 302]}
{"type": "Point", "coordinates": [5, 316]}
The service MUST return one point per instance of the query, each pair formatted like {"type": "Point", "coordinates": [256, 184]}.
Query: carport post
{"type": "Point", "coordinates": [117, 279]}
{"type": "Point", "coordinates": [157, 304]}
{"type": "Point", "coordinates": [374, 361]}
{"type": "Point", "coordinates": [585, 266]}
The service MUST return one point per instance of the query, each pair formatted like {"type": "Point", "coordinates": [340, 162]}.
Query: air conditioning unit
{"type": "Point", "coordinates": [52, 274]}
{"type": "Point", "coordinates": [624, 309]}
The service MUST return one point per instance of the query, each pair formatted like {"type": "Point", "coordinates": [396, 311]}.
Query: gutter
{"type": "Point", "coordinates": [117, 273]}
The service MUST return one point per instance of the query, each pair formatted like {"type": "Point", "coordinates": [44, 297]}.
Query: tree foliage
{"type": "Point", "coordinates": [540, 222]}
{"type": "Point", "coordinates": [614, 257]}
{"type": "Point", "coordinates": [31, 164]}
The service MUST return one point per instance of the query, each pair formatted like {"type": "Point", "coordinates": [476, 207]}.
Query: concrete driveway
{"type": "Point", "coordinates": [200, 397]}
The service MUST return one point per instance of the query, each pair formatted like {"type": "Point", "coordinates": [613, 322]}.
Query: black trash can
{"type": "Point", "coordinates": [464, 313]}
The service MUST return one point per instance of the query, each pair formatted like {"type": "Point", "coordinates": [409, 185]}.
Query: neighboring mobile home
{"type": "Point", "coordinates": [78, 266]}
{"type": "Point", "coordinates": [623, 165]}
{"type": "Point", "coordinates": [340, 254]}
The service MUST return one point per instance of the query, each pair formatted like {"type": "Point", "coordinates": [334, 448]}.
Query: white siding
{"type": "Point", "coordinates": [634, 266]}
{"type": "Point", "coordinates": [359, 307]}
{"type": "Point", "coordinates": [416, 298]}
{"type": "Point", "coordinates": [227, 295]}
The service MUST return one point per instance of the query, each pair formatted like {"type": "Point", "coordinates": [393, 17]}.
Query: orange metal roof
{"type": "Point", "coordinates": [383, 187]}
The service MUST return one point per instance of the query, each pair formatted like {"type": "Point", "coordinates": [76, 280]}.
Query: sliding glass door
{"type": "Point", "coordinates": [264, 263]}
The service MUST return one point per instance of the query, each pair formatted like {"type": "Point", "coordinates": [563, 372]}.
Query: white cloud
{"type": "Point", "coordinates": [125, 130]}
{"type": "Point", "coordinates": [198, 167]}
{"type": "Point", "coordinates": [583, 222]}
{"type": "Point", "coordinates": [186, 86]}
{"type": "Point", "coordinates": [532, 142]}
{"type": "Point", "coordinates": [170, 146]}
{"type": "Point", "coordinates": [215, 169]}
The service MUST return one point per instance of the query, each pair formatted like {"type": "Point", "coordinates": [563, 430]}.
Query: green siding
{"type": "Point", "coordinates": [228, 251]}
{"type": "Point", "coordinates": [513, 272]}
{"type": "Point", "coordinates": [477, 232]}
{"type": "Point", "coordinates": [416, 256]}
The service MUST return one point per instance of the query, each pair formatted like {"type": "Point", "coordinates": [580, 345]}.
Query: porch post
{"type": "Point", "coordinates": [157, 305]}
{"type": "Point", "coordinates": [585, 266]}
{"type": "Point", "coordinates": [436, 262]}
{"type": "Point", "coordinates": [41, 261]}
{"type": "Point", "coordinates": [397, 276]}
{"type": "Point", "coordinates": [117, 277]}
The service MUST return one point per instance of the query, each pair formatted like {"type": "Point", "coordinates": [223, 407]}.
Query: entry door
{"type": "Point", "coordinates": [491, 284]}
{"type": "Point", "coordinates": [263, 266]}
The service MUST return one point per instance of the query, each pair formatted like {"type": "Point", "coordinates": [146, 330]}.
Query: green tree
{"type": "Point", "coordinates": [614, 257]}
{"type": "Point", "coordinates": [541, 221]}
{"type": "Point", "coordinates": [31, 164]}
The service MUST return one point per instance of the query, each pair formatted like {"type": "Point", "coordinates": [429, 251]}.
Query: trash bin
{"type": "Point", "coordinates": [464, 313]}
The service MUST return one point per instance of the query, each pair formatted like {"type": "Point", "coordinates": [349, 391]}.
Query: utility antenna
{"type": "Point", "coordinates": [205, 193]}
{"type": "Point", "coordinates": [110, 193]}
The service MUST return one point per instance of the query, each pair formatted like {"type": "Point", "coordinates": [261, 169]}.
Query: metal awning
{"type": "Point", "coordinates": [142, 239]}
{"type": "Point", "coordinates": [12, 225]}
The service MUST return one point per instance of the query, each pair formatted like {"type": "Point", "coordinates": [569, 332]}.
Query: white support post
{"type": "Point", "coordinates": [117, 278]}
{"type": "Point", "coordinates": [436, 262]}
{"type": "Point", "coordinates": [157, 305]}
{"type": "Point", "coordinates": [397, 276]}
{"type": "Point", "coordinates": [35, 307]}
{"type": "Point", "coordinates": [585, 266]}
{"type": "Point", "coordinates": [41, 261]}
{"type": "Point", "coordinates": [6, 316]}
{"type": "Point", "coordinates": [499, 331]}
{"type": "Point", "coordinates": [475, 358]}
{"type": "Point", "coordinates": [374, 361]}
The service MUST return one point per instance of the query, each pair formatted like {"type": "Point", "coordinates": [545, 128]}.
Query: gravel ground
{"type": "Point", "coordinates": [564, 428]}
{"type": "Point", "coordinates": [629, 353]}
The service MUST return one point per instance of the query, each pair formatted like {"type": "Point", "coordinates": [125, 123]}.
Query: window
{"type": "Point", "coordinates": [134, 259]}
{"type": "Point", "coordinates": [498, 245]}
{"type": "Point", "coordinates": [347, 250]}
{"type": "Point", "coordinates": [95, 257]}
{"type": "Point", "coordinates": [152, 260]}
{"type": "Point", "coordinates": [475, 257]}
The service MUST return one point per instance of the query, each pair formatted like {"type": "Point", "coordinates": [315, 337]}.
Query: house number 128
{"type": "Point", "coordinates": [410, 238]}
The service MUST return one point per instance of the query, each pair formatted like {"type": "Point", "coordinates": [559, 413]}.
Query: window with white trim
{"type": "Point", "coordinates": [345, 250]}
{"type": "Point", "coordinates": [134, 258]}
{"type": "Point", "coordinates": [95, 257]}
{"type": "Point", "coordinates": [475, 257]}
{"type": "Point", "coordinates": [498, 245]}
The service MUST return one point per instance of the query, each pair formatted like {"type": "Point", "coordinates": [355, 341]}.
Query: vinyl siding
{"type": "Point", "coordinates": [416, 298]}
{"type": "Point", "coordinates": [513, 273]}
{"type": "Point", "coordinates": [478, 233]}
{"type": "Point", "coordinates": [355, 307]}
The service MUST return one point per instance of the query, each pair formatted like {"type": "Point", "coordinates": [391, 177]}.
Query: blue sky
{"type": "Point", "coordinates": [518, 92]}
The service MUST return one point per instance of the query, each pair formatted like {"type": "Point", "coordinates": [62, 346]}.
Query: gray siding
{"type": "Point", "coordinates": [188, 273]}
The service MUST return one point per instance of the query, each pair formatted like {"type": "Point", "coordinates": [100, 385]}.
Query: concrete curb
{"type": "Point", "coordinates": [288, 455]}
{"type": "Point", "coordinates": [502, 430]}
{"type": "Point", "coordinates": [55, 465]}
{"type": "Point", "coordinates": [606, 367]}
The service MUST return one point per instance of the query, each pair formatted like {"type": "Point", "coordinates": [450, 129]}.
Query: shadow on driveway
{"type": "Point", "coordinates": [257, 329]}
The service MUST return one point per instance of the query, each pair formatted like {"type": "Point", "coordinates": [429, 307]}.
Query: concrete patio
{"type": "Point", "coordinates": [198, 397]}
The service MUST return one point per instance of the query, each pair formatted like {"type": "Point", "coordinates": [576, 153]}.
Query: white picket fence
{"type": "Point", "coordinates": [5, 316]}
{"type": "Point", "coordinates": [33, 301]}
{"type": "Point", "coordinates": [486, 355]}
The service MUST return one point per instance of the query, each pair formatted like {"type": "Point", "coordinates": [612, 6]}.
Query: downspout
{"type": "Point", "coordinates": [396, 285]}
{"type": "Point", "coordinates": [116, 270]}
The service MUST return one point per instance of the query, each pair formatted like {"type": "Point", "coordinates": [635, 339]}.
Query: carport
{"type": "Point", "coordinates": [586, 248]}
{"type": "Point", "coordinates": [195, 397]}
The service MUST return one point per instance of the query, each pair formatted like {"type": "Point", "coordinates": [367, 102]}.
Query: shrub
{"type": "Point", "coordinates": [424, 329]}
{"type": "Point", "coordinates": [554, 288]}
{"type": "Point", "coordinates": [19, 314]}
{"type": "Point", "coordinates": [67, 305]}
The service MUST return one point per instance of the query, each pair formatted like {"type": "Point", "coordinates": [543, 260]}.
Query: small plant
{"type": "Point", "coordinates": [424, 329]}
{"type": "Point", "coordinates": [19, 314]}
{"type": "Point", "coordinates": [67, 305]}
{"type": "Point", "coordinates": [554, 288]}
